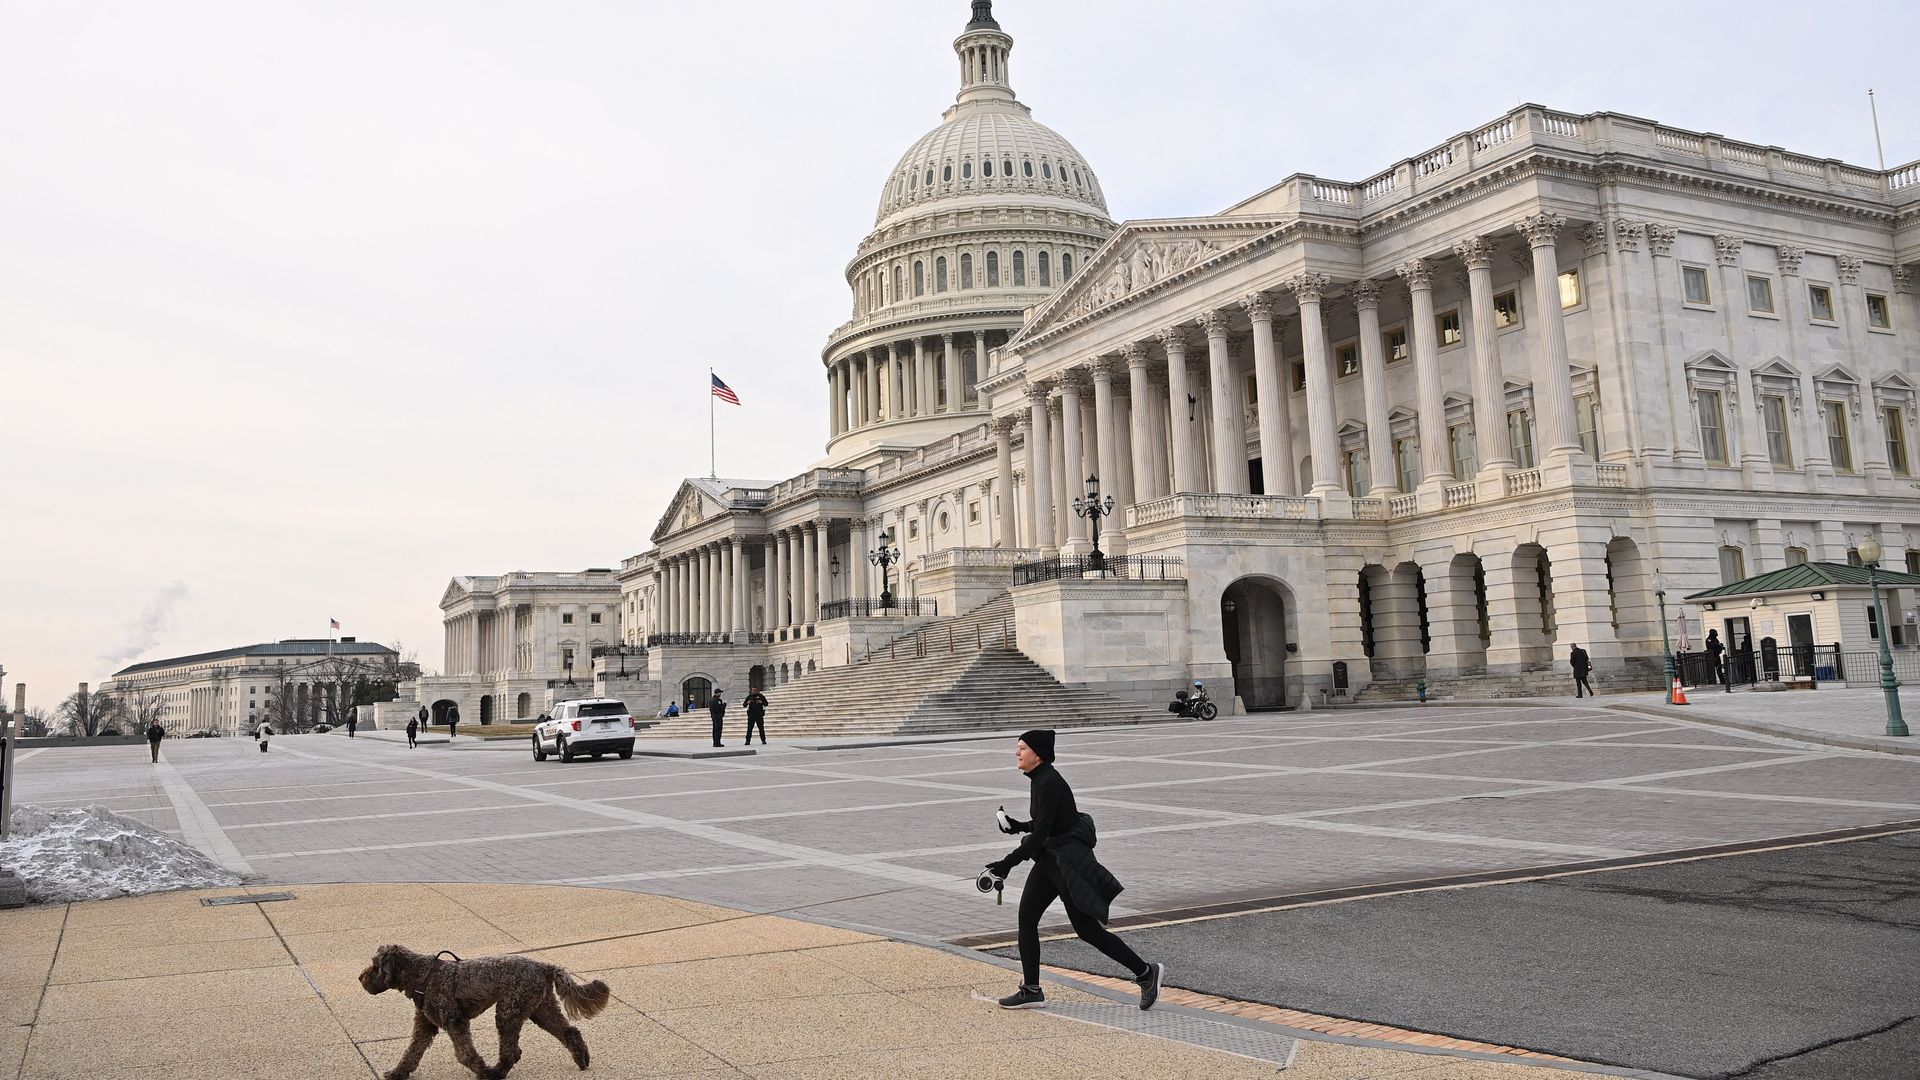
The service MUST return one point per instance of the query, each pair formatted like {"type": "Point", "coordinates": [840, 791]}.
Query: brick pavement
{"type": "Point", "coordinates": [889, 838]}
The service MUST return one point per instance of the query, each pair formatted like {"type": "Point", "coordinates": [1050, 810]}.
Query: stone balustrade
{"type": "Point", "coordinates": [1614, 476]}
{"type": "Point", "coordinates": [978, 558]}
{"type": "Point", "coordinates": [1457, 495]}
{"type": "Point", "coordinates": [1259, 507]}
{"type": "Point", "coordinates": [1399, 506]}
{"type": "Point", "coordinates": [1524, 482]}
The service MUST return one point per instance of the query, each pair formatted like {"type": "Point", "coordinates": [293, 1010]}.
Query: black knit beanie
{"type": "Point", "coordinates": [1040, 741]}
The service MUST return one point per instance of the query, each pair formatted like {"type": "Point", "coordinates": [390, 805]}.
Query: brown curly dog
{"type": "Point", "coordinates": [449, 993]}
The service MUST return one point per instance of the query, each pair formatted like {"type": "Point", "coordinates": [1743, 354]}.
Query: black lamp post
{"type": "Point", "coordinates": [1093, 508]}
{"type": "Point", "coordinates": [569, 669]}
{"type": "Point", "coordinates": [1870, 553]}
{"type": "Point", "coordinates": [884, 557]}
{"type": "Point", "coordinates": [1666, 646]}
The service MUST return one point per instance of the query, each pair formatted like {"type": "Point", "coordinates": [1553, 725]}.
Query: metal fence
{"type": "Point", "coordinates": [971, 635]}
{"type": "Point", "coordinates": [618, 650]}
{"type": "Point", "coordinates": [871, 607]}
{"type": "Point", "coordinates": [689, 639]}
{"type": "Point", "coordinates": [1793, 663]}
{"type": "Point", "coordinates": [1129, 567]}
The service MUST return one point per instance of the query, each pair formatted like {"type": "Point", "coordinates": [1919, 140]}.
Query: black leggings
{"type": "Point", "coordinates": [1034, 899]}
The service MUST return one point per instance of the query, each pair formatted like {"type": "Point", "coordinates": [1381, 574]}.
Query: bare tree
{"type": "Point", "coordinates": [142, 710]}
{"type": "Point", "coordinates": [282, 712]}
{"type": "Point", "coordinates": [88, 714]}
{"type": "Point", "coordinates": [35, 724]}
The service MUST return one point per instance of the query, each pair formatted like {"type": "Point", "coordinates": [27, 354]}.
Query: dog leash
{"type": "Point", "coordinates": [736, 918]}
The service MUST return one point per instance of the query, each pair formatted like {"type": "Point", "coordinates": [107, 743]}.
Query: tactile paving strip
{"type": "Point", "coordinates": [1249, 1042]}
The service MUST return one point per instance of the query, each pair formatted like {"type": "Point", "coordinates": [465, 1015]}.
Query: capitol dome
{"type": "Point", "coordinates": [988, 147]}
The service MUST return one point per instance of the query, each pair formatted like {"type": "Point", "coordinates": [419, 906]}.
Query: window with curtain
{"type": "Point", "coordinates": [1713, 441]}
{"type": "Point", "coordinates": [1406, 462]}
{"type": "Point", "coordinates": [1020, 264]}
{"type": "Point", "coordinates": [919, 278]}
{"type": "Point", "coordinates": [966, 270]}
{"type": "Point", "coordinates": [1773, 415]}
{"type": "Point", "coordinates": [1358, 474]}
{"type": "Point", "coordinates": [1895, 420]}
{"type": "Point", "coordinates": [1586, 418]}
{"type": "Point", "coordinates": [1520, 435]}
{"type": "Point", "coordinates": [1839, 449]}
{"type": "Point", "coordinates": [993, 269]}
{"type": "Point", "coordinates": [940, 274]}
{"type": "Point", "coordinates": [1733, 565]}
{"type": "Point", "coordinates": [1460, 450]}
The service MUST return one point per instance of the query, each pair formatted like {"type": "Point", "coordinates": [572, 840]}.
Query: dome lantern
{"type": "Point", "coordinates": [983, 48]}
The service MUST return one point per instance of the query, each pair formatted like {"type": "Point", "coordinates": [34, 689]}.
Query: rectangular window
{"type": "Point", "coordinates": [1570, 294]}
{"type": "Point", "coordinates": [1879, 314]}
{"type": "Point", "coordinates": [566, 617]}
{"type": "Point", "coordinates": [1873, 624]}
{"type": "Point", "coordinates": [1838, 448]}
{"type": "Point", "coordinates": [1713, 443]}
{"type": "Point", "coordinates": [973, 513]}
{"type": "Point", "coordinates": [594, 618]}
{"type": "Point", "coordinates": [1460, 450]}
{"type": "Point", "coordinates": [1913, 562]}
{"type": "Point", "coordinates": [1347, 360]}
{"type": "Point", "coordinates": [1506, 310]}
{"type": "Point", "coordinates": [1773, 414]}
{"type": "Point", "coordinates": [1299, 377]}
{"type": "Point", "coordinates": [1586, 417]}
{"type": "Point", "coordinates": [1760, 294]}
{"type": "Point", "coordinates": [1733, 565]}
{"type": "Point", "coordinates": [1447, 325]}
{"type": "Point", "coordinates": [1820, 303]}
{"type": "Point", "coordinates": [1520, 435]}
{"type": "Point", "coordinates": [1396, 343]}
{"type": "Point", "coordinates": [1406, 462]}
{"type": "Point", "coordinates": [1895, 420]}
{"type": "Point", "coordinates": [1796, 556]}
{"type": "Point", "coordinates": [1694, 281]}
{"type": "Point", "coordinates": [913, 530]}
{"type": "Point", "coordinates": [1357, 473]}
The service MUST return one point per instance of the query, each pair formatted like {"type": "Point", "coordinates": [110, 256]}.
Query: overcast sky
{"type": "Point", "coordinates": [307, 307]}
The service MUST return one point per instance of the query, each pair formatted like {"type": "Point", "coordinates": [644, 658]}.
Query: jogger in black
{"type": "Point", "coordinates": [1060, 841]}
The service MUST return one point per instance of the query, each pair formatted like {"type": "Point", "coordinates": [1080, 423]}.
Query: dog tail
{"type": "Point", "coordinates": [582, 1001]}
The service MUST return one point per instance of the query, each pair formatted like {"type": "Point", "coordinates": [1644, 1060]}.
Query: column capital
{"type": "Point", "coordinates": [947, 340]}
{"type": "Point", "coordinates": [1660, 239]}
{"type": "Point", "coordinates": [1790, 257]}
{"type": "Point", "coordinates": [1628, 234]}
{"type": "Point", "coordinates": [1308, 286]}
{"type": "Point", "coordinates": [1073, 379]}
{"type": "Point", "coordinates": [1848, 268]}
{"type": "Point", "coordinates": [1595, 237]}
{"type": "Point", "coordinates": [1135, 353]}
{"type": "Point", "coordinates": [1726, 250]}
{"type": "Point", "coordinates": [1214, 324]}
{"type": "Point", "coordinates": [1417, 273]}
{"type": "Point", "coordinates": [1039, 391]}
{"type": "Point", "coordinates": [1540, 229]}
{"type": "Point", "coordinates": [1003, 426]}
{"type": "Point", "coordinates": [1173, 339]}
{"type": "Point", "coordinates": [1902, 281]}
{"type": "Point", "coordinates": [1103, 368]}
{"type": "Point", "coordinates": [1258, 306]}
{"type": "Point", "coordinates": [1476, 252]}
{"type": "Point", "coordinates": [1366, 294]}
{"type": "Point", "coordinates": [893, 350]}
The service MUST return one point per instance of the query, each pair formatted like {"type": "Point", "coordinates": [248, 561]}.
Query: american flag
{"type": "Point", "coordinates": [333, 624]}
{"type": "Point", "coordinates": [723, 391]}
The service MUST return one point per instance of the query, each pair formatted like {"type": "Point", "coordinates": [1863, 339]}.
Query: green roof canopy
{"type": "Point", "coordinates": [1812, 575]}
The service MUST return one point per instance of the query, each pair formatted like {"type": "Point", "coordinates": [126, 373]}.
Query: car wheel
{"type": "Point", "coordinates": [625, 754]}
{"type": "Point", "coordinates": [566, 752]}
{"type": "Point", "coordinates": [596, 757]}
{"type": "Point", "coordinates": [538, 753]}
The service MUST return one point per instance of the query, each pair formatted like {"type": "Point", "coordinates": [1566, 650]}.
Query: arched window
{"type": "Point", "coordinates": [966, 170]}
{"type": "Point", "coordinates": [1046, 272]}
{"type": "Point", "coordinates": [940, 274]}
{"type": "Point", "coordinates": [1076, 176]}
{"type": "Point", "coordinates": [946, 174]}
{"type": "Point", "coordinates": [913, 183]}
{"type": "Point", "coordinates": [1006, 166]}
{"type": "Point", "coordinates": [1733, 565]}
{"type": "Point", "coordinates": [1027, 167]}
{"type": "Point", "coordinates": [993, 269]}
{"type": "Point", "coordinates": [1796, 556]}
{"type": "Point", "coordinates": [919, 278]}
{"type": "Point", "coordinates": [966, 270]}
{"type": "Point", "coordinates": [929, 176]}
{"type": "Point", "coordinates": [1046, 169]}
{"type": "Point", "coordinates": [1019, 267]}
{"type": "Point", "coordinates": [1066, 267]}
{"type": "Point", "coordinates": [899, 277]}
{"type": "Point", "coordinates": [986, 167]}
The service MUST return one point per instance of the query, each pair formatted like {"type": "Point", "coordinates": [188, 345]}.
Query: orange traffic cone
{"type": "Point", "coordinates": [1680, 693]}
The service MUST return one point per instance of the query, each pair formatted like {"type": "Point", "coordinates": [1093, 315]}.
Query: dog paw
{"type": "Point", "coordinates": [396, 1074]}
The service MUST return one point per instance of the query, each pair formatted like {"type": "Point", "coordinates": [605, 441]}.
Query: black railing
{"type": "Point", "coordinates": [1130, 567]}
{"type": "Point", "coordinates": [689, 639]}
{"type": "Point", "coordinates": [870, 607]}
{"type": "Point", "coordinates": [759, 637]}
{"type": "Point", "coordinates": [618, 650]}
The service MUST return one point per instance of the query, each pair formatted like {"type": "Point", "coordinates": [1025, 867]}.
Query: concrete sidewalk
{"type": "Point", "coordinates": [1854, 717]}
{"type": "Point", "coordinates": [112, 990]}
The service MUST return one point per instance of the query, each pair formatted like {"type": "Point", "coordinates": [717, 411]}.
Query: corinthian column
{"type": "Point", "coordinates": [777, 589]}
{"type": "Point", "coordinates": [1373, 386]}
{"type": "Point", "coordinates": [822, 568]}
{"type": "Point", "coordinates": [1489, 383]}
{"type": "Point", "coordinates": [804, 556]}
{"type": "Point", "coordinates": [1308, 288]}
{"type": "Point", "coordinates": [1180, 402]}
{"type": "Point", "coordinates": [896, 382]}
{"type": "Point", "coordinates": [1140, 418]}
{"type": "Point", "coordinates": [1229, 441]}
{"type": "Point", "coordinates": [922, 381]}
{"type": "Point", "coordinates": [1276, 436]}
{"type": "Point", "coordinates": [1004, 525]}
{"type": "Point", "coordinates": [1040, 470]}
{"type": "Point", "coordinates": [948, 365]}
{"type": "Point", "coordinates": [1106, 449]}
{"type": "Point", "coordinates": [1426, 370]}
{"type": "Point", "coordinates": [1552, 383]}
{"type": "Point", "coordinates": [738, 557]}
{"type": "Point", "coordinates": [1071, 443]}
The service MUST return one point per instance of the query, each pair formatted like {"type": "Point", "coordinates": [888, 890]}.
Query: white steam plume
{"type": "Point", "coordinates": [143, 633]}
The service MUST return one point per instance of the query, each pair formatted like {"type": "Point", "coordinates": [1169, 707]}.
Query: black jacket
{"type": "Point", "coordinates": [718, 708]}
{"type": "Point", "coordinates": [1581, 665]}
{"type": "Point", "coordinates": [756, 705]}
{"type": "Point", "coordinates": [1060, 840]}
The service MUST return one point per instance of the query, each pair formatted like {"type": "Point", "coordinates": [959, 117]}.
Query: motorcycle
{"type": "Point", "coordinates": [1193, 706]}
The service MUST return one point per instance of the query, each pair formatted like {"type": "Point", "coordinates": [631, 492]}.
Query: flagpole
{"type": "Point", "coordinates": [713, 466]}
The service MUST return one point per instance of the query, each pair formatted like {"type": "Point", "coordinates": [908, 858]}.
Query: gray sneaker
{"type": "Point", "coordinates": [1150, 984]}
{"type": "Point", "coordinates": [1027, 997]}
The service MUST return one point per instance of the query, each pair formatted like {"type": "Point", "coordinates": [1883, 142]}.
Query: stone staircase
{"type": "Point", "coordinates": [916, 686]}
{"type": "Point", "coordinates": [1546, 683]}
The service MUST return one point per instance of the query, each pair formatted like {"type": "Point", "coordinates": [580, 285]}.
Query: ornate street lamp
{"type": "Point", "coordinates": [884, 557]}
{"type": "Point", "coordinates": [1093, 508]}
{"type": "Point", "coordinates": [1666, 646]}
{"type": "Point", "coordinates": [1870, 553]}
{"type": "Point", "coordinates": [569, 669]}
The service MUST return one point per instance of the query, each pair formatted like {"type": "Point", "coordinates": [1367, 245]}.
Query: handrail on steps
{"type": "Point", "coordinates": [920, 643]}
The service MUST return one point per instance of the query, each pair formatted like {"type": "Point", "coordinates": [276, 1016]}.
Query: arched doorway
{"type": "Point", "coordinates": [1255, 618]}
{"type": "Point", "coordinates": [523, 706]}
{"type": "Point", "coordinates": [695, 692]}
{"type": "Point", "coordinates": [440, 709]}
{"type": "Point", "coordinates": [757, 676]}
{"type": "Point", "coordinates": [486, 708]}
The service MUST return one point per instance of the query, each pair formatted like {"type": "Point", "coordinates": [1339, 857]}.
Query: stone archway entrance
{"type": "Point", "coordinates": [695, 692]}
{"type": "Point", "coordinates": [1255, 616]}
{"type": "Point", "coordinates": [486, 708]}
{"type": "Point", "coordinates": [441, 708]}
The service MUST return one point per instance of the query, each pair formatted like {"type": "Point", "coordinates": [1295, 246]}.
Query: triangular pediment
{"type": "Point", "coordinates": [1838, 373]}
{"type": "Point", "coordinates": [1712, 360]}
{"type": "Point", "coordinates": [1778, 368]}
{"type": "Point", "coordinates": [1143, 257]}
{"type": "Point", "coordinates": [457, 589]}
{"type": "Point", "coordinates": [690, 506]}
{"type": "Point", "coordinates": [1893, 382]}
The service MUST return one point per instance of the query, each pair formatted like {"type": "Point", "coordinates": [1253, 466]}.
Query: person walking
{"type": "Point", "coordinates": [353, 723]}
{"type": "Point", "coordinates": [1715, 647]}
{"type": "Point", "coordinates": [1060, 839]}
{"type": "Point", "coordinates": [717, 710]}
{"type": "Point", "coordinates": [756, 703]}
{"type": "Point", "coordinates": [154, 734]}
{"type": "Point", "coordinates": [1582, 667]}
{"type": "Point", "coordinates": [453, 720]}
{"type": "Point", "coordinates": [413, 732]}
{"type": "Point", "coordinates": [262, 733]}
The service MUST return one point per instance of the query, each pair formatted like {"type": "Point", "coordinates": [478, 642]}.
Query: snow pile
{"type": "Point", "coordinates": [91, 853]}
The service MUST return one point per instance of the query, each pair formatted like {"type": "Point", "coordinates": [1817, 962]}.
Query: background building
{"type": "Point", "coordinates": [229, 691]}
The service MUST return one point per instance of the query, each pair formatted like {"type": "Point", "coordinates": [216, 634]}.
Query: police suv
{"type": "Point", "coordinates": [590, 726]}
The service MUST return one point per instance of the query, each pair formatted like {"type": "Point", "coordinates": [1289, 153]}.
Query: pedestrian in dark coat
{"type": "Point", "coordinates": [353, 724]}
{"type": "Point", "coordinates": [1582, 667]}
{"type": "Point", "coordinates": [453, 720]}
{"type": "Point", "coordinates": [717, 710]}
{"type": "Point", "coordinates": [1715, 647]}
{"type": "Point", "coordinates": [413, 732]}
{"type": "Point", "coordinates": [1059, 839]}
{"type": "Point", "coordinates": [154, 734]}
{"type": "Point", "coordinates": [756, 703]}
